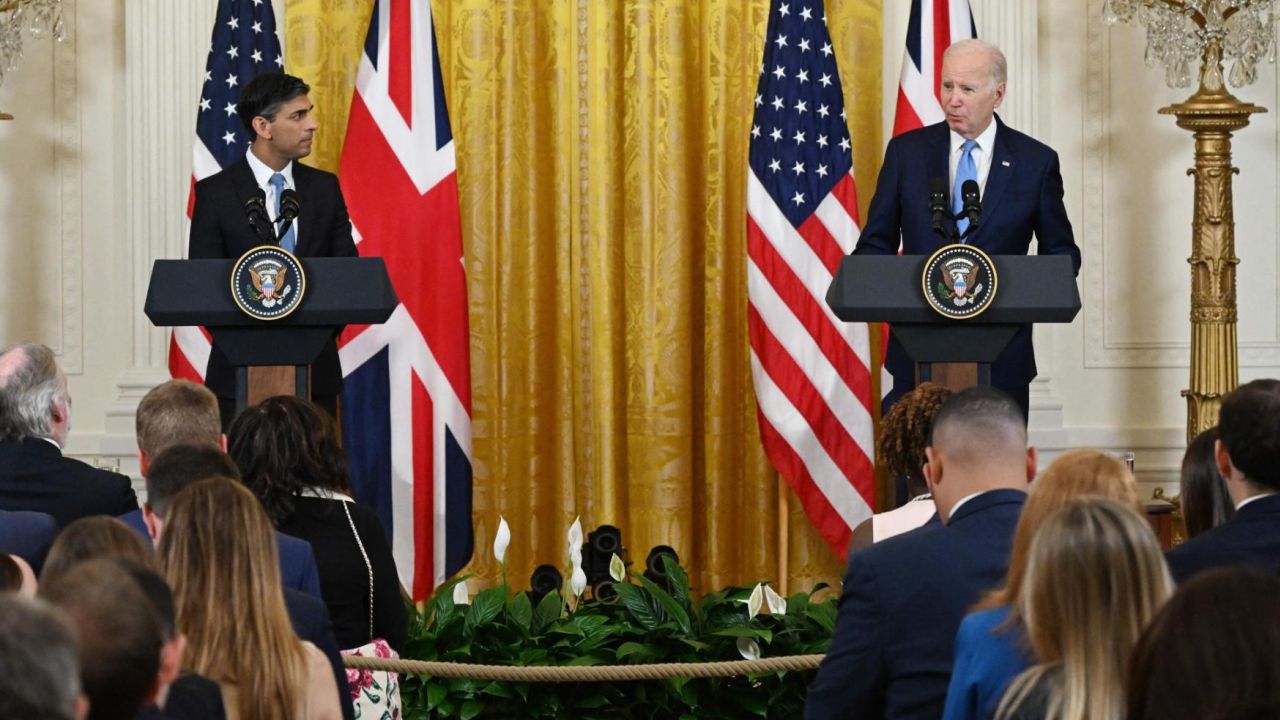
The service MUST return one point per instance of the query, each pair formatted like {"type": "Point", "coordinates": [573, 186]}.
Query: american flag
{"type": "Point", "coordinates": [812, 382]}
{"type": "Point", "coordinates": [244, 44]}
{"type": "Point", "coordinates": [933, 26]}
{"type": "Point", "coordinates": [407, 389]}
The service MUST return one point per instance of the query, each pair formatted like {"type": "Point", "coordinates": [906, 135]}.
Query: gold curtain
{"type": "Point", "coordinates": [602, 159]}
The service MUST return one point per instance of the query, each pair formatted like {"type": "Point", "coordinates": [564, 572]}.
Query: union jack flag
{"type": "Point", "coordinates": [406, 406]}
{"type": "Point", "coordinates": [810, 369]}
{"type": "Point", "coordinates": [244, 44]}
{"type": "Point", "coordinates": [933, 26]}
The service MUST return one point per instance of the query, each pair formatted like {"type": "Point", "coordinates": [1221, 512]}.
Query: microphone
{"type": "Point", "coordinates": [972, 205]}
{"type": "Point", "coordinates": [938, 208]}
{"type": "Point", "coordinates": [289, 208]}
{"type": "Point", "coordinates": [256, 208]}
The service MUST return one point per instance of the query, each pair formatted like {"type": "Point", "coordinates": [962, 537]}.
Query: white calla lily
{"type": "Point", "coordinates": [575, 542]}
{"type": "Point", "coordinates": [460, 594]}
{"type": "Point", "coordinates": [777, 603]}
{"type": "Point", "coordinates": [748, 649]}
{"type": "Point", "coordinates": [578, 582]}
{"type": "Point", "coordinates": [756, 601]}
{"type": "Point", "coordinates": [617, 570]}
{"type": "Point", "coordinates": [501, 540]}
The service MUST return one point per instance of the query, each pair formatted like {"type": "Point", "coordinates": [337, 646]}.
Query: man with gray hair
{"type": "Point", "coordinates": [35, 418]}
{"type": "Point", "coordinates": [39, 662]}
{"type": "Point", "coordinates": [1018, 183]}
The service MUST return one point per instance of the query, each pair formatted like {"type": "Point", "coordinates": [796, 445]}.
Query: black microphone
{"type": "Point", "coordinates": [972, 205]}
{"type": "Point", "coordinates": [938, 207]}
{"type": "Point", "coordinates": [256, 208]}
{"type": "Point", "coordinates": [289, 208]}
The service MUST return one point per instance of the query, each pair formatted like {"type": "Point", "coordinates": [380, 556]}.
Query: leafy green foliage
{"type": "Point", "coordinates": [646, 623]}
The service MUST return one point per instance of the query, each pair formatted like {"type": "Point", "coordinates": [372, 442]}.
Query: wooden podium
{"type": "Point", "coordinates": [954, 353]}
{"type": "Point", "coordinates": [271, 357]}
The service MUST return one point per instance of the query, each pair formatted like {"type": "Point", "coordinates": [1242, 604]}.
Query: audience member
{"type": "Point", "coordinates": [1210, 654]}
{"type": "Point", "coordinates": [1094, 579]}
{"type": "Point", "coordinates": [903, 598]}
{"type": "Point", "coordinates": [1203, 493]}
{"type": "Point", "coordinates": [27, 534]}
{"type": "Point", "coordinates": [991, 645]}
{"type": "Point", "coordinates": [289, 456]}
{"type": "Point", "coordinates": [904, 434]}
{"type": "Point", "coordinates": [1248, 456]}
{"type": "Point", "coordinates": [39, 662]}
{"type": "Point", "coordinates": [91, 538]}
{"type": "Point", "coordinates": [119, 636]}
{"type": "Point", "coordinates": [16, 576]}
{"type": "Point", "coordinates": [227, 590]}
{"type": "Point", "coordinates": [35, 417]}
{"type": "Point", "coordinates": [180, 412]}
{"type": "Point", "coordinates": [178, 466]}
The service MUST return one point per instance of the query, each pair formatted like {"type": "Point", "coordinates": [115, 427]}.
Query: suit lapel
{"type": "Point", "coordinates": [1003, 165]}
{"type": "Point", "coordinates": [941, 149]}
{"type": "Point", "coordinates": [245, 186]}
{"type": "Point", "coordinates": [308, 211]}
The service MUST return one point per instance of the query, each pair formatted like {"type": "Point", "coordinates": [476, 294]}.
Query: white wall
{"type": "Point", "coordinates": [93, 177]}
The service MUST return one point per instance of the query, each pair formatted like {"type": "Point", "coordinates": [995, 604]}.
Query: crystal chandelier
{"type": "Point", "coordinates": [38, 18]}
{"type": "Point", "coordinates": [1181, 33]}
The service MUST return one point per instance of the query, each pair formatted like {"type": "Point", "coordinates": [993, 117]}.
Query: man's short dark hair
{"type": "Point", "coordinates": [1249, 427]}
{"type": "Point", "coordinates": [981, 412]}
{"type": "Point", "coordinates": [265, 94]}
{"type": "Point", "coordinates": [181, 465]}
{"type": "Point", "coordinates": [39, 661]}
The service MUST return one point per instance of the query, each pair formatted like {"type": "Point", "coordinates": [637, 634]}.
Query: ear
{"type": "Point", "coordinates": [82, 707]}
{"type": "Point", "coordinates": [143, 462]}
{"type": "Point", "coordinates": [262, 127]}
{"type": "Point", "coordinates": [222, 442]}
{"type": "Point", "coordinates": [152, 521]}
{"type": "Point", "coordinates": [999, 96]}
{"type": "Point", "coordinates": [58, 411]}
{"type": "Point", "coordinates": [1033, 462]}
{"type": "Point", "coordinates": [1222, 459]}
{"type": "Point", "coordinates": [932, 468]}
{"type": "Point", "coordinates": [170, 662]}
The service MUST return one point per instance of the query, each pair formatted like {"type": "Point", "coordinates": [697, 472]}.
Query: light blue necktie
{"type": "Point", "coordinates": [965, 170]}
{"type": "Point", "coordinates": [290, 239]}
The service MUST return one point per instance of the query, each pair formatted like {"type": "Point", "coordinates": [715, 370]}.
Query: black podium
{"type": "Point", "coordinates": [340, 291]}
{"type": "Point", "coordinates": [954, 353]}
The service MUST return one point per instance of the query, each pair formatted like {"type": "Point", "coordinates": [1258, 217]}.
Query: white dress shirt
{"type": "Point", "coordinates": [981, 155]}
{"type": "Point", "coordinates": [262, 175]}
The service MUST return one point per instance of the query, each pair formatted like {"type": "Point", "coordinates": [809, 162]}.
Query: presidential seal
{"type": "Point", "coordinates": [959, 281]}
{"type": "Point", "coordinates": [268, 283]}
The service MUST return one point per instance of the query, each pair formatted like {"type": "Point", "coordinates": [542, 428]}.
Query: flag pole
{"type": "Point", "coordinates": [784, 534]}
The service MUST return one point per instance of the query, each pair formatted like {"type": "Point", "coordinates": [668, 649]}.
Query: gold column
{"type": "Point", "coordinates": [1212, 114]}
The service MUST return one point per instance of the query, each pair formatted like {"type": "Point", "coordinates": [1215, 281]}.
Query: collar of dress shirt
{"type": "Point", "coordinates": [986, 140]}
{"type": "Point", "coordinates": [1248, 500]}
{"type": "Point", "coordinates": [956, 508]}
{"type": "Point", "coordinates": [262, 174]}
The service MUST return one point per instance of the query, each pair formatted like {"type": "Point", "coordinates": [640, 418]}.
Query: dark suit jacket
{"type": "Point", "coordinates": [27, 535]}
{"type": "Point", "coordinates": [35, 476]}
{"type": "Point", "coordinates": [902, 602]}
{"type": "Point", "coordinates": [310, 619]}
{"type": "Point", "coordinates": [1023, 196]}
{"type": "Point", "coordinates": [297, 563]}
{"type": "Point", "coordinates": [1251, 538]}
{"type": "Point", "coordinates": [220, 229]}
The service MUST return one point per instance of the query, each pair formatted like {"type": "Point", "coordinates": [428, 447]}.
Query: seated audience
{"type": "Point", "coordinates": [226, 581]}
{"type": "Point", "coordinates": [1203, 493]}
{"type": "Point", "coordinates": [1248, 456]}
{"type": "Point", "coordinates": [27, 534]}
{"type": "Point", "coordinates": [119, 636]}
{"type": "Point", "coordinates": [39, 662]}
{"type": "Point", "coordinates": [891, 653]}
{"type": "Point", "coordinates": [1094, 579]}
{"type": "Point", "coordinates": [178, 466]}
{"type": "Point", "coordinates": [1210, 654]}
{"type": "Point", "coordinates": [991, 645]}
{"type": "Point", "coordinates": [289, 456]}
{"type": "Point", "coordinates": [16, 576]}
{"type": "Point", "coordinates": [904, 434]}
{"type": "Point", "coordinates": [91, 538]}
{"type": "Point", "coordinates": [35, 417]}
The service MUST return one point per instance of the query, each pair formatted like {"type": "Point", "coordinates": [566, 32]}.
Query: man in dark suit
{"type": "Point", "coordinates": [276, 114]}
{"type": "Point", "coordinates": [903, 599]}
{"type": "Point", "coordinates": [35, 418]}
{"type": "Point", "coordinates": [28, 535]}
{"type": "Point", "coordinates": [1020, 189]}
{"type": "Point", "coordinates": [1248, 456]}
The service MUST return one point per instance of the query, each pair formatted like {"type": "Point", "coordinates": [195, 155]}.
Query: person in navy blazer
{"type": "Point", "coordinates": [1021, 196]}
{"type": "Point", "coordinates": [27, 535]}
{"type": "Point", "coordinates": [903, 599]}
{"type": "Point", "coordinates": [1248, 456]}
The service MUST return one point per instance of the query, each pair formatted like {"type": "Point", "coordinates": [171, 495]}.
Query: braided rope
{"type": "Point", "coordinates": [598, 673]}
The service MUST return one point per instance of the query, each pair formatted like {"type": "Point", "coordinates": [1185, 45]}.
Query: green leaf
{"type": "Point", "coordinates": [498, 689]}
{"type": "Point", "coordinates": [485, 607]}
{"type": "Point", "coordinates": [635, 601]}
{"type": "Point", "coordinates": [640, 650]}
{"type": "Point", "coordinates": [679, 579]}
{"type": "Point", "coordinates": [746, 632]}
{"type": "Point", "coordinates": [521, 610]}
{"type": "Point", "coordinates": [548, 611]}
{"type": "Point", "coordinates": [669, 604]}
{"type": "Point", "coordinates": [472, 708]}
{"type": "Point", "coordinates": [436, 694]}
{"type": "Point", "coordinates": [584, 660]}
{"type": "Point", "coordinates": [824, 615]}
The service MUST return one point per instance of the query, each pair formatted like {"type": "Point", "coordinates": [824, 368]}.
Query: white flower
{"type": "Point", "coordinates": [460, 594]}
{"type": "Point", "coordinates": [748, 649]}
{"type": "Point", "coordinates": [575, 542]}
{"type": "Point", "coordinates": [501, 540]}
{"type": "Point", "coordinates": [756, 601]}
{"type": "Point", "coordinates": [578, 582]}
{"type": "Point", "coordinates": [777, 603]}
{"type": "Point", "coordinates": [617, 570]}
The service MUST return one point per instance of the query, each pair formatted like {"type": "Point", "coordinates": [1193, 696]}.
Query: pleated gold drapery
{"type": "Point", "coordinates": [602, 159]}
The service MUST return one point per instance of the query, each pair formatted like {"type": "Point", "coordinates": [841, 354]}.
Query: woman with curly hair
{"type": "Point", "coordinates": [288, 453]}
{"type": "Point", "coordinates": [904, 434]}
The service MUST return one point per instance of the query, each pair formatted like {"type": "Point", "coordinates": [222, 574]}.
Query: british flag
{"type": "Point", "coordinates": [810, 370]}
{"type": "Point", "coordinates": [932, 27]}
{"type": "Point", "coordinates": [407, 390]}
{"type": "Point", "coordinates": [244, 44]}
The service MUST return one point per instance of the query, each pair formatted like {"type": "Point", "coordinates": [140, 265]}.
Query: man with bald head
{"type": "Point", "coordinates": [35, 418]}
{"type": "Point", "coordinates": [903, 599]}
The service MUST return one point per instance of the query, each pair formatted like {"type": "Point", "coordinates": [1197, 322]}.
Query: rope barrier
{"type": "Point", "coordinates": [588, 673]}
